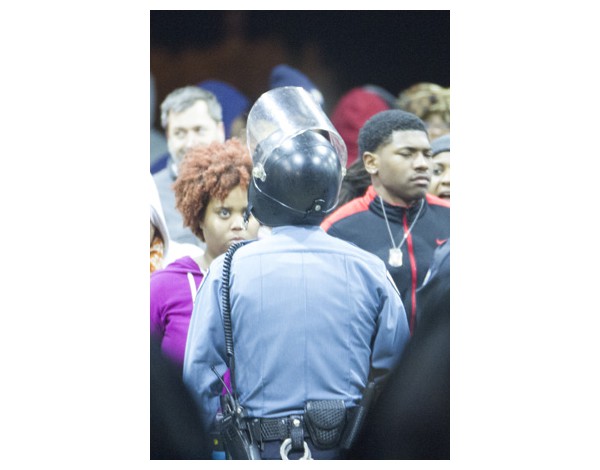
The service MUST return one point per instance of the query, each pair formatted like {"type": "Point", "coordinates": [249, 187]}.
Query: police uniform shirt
{"type": "Point", "coordinates": [310, 315]}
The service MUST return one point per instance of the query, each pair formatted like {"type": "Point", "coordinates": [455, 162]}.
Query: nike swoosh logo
{"type": "Point", "coordinates": [439, 242]}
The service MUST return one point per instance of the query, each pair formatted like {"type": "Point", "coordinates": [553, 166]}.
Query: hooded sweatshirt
{"type": "Point", "coordinates": [172, 250]}
{"type": "Point", "coordinates": [352, 111]}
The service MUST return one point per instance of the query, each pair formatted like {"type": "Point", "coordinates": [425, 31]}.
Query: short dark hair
{"type": "Point", "coordinates": [379, 128]}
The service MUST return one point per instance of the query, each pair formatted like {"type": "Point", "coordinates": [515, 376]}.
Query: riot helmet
{"type": "Point", "coordinates": [299, 159]}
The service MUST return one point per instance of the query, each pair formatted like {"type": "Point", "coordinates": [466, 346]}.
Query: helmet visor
{"type": "Point", "coordinates": [283, 113]}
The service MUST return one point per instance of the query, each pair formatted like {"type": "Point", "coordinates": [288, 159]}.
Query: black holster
{"type": "Point", "coordinates": [237, 440]}
{"type": "Point", "coordinates": [358, 417]}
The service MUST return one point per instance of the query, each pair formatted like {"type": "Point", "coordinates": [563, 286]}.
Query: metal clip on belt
{"type": "Point", "coordinates": [290, 429]}
{"type": "Point", "coordinates": [296, 440]}
{"type": "Point", "coordinates": [286, 446]}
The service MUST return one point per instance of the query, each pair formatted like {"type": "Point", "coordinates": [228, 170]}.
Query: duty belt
{"type": "Point", "coordinates": [324, 425]}
{"type": "Point", "coordinates": [279, 429]}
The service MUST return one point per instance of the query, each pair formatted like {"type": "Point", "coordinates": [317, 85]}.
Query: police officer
{"type": "Point", "coordinates": [312, 318]}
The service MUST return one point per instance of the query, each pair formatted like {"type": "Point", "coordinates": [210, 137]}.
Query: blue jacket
{"type": "Point", "coordinates": [310, 315]}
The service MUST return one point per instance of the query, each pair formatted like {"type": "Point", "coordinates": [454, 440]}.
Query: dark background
{"type": "Point", "coordinates": [337, 50]}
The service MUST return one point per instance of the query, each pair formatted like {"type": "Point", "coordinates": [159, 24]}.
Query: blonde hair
{"type": "Point", "coordinates": [426, 99]}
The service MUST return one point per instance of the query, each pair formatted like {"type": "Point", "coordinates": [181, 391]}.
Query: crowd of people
{"type": "Point", "coordinates": [300, 273]}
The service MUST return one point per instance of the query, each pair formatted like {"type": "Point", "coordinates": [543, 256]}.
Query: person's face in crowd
{"type": "Point", "coordinates": [190, 128]}
{"type": "Point", "coordinates": [436, 126]}
{"type": "Point", "coordinates": [440, 179]}
{"type": "Point", "coordinates": [223, 222]}
{"type": "Point", "coordinates": [402, 168]}
{"type": "Point", "coordinates": [238, 128]}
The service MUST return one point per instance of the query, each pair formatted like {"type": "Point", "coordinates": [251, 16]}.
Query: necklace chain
{"type": "Point", "coordinates": [407, 233]}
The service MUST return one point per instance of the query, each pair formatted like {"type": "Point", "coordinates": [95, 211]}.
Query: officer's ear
{"type": "Point", "coordinates": [371, 161]}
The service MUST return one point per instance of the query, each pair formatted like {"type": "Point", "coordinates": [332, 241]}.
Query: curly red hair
{"type": "Point", "coordinates": [210, 172]}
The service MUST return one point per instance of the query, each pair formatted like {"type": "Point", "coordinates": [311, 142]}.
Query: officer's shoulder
{"type": "Point", "coordinates": [360, 254]}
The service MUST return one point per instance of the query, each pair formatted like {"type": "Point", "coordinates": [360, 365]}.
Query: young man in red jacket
{"type": "Point", "coordinates": [396, 219]}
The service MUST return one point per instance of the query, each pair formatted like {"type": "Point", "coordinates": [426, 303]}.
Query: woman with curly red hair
{"type": "Point", "coordinates": [211, 194]}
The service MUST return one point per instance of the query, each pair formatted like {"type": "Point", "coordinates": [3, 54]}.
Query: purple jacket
{"type": "Point", "coordinates": [171, 303]}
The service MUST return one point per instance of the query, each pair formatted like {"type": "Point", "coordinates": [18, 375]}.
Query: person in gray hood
{"type": "Point", "coordinates": [163, 250]}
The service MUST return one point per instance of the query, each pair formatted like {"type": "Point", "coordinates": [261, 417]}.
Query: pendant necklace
{"type": "Point", "coordinates": [395, 258]}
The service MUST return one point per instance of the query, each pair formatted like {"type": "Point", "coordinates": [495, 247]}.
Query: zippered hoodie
{"type": "Point", "coordinates": [362, 223]}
